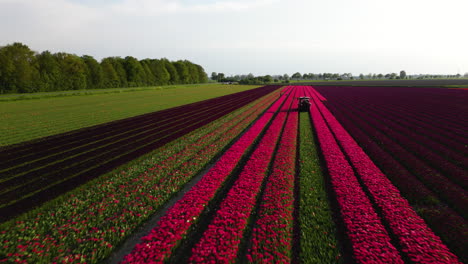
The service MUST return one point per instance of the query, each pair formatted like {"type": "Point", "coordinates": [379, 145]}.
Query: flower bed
{"type": "Point", "coordinates": [272, 235]}
{"type": "Point", "coordinates": [369, 240]}
{"type": "Point", "coordinates": [417, 241]}
{"type": "Point", "coordinates": [87, 224]}
{"type": "Point", "coordinates": [175, 224]}
{"type": "Point", "coordinates": [220, 242]}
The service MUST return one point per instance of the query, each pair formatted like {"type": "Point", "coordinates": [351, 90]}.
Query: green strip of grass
{"type": "Point", "coordinates": [317, 229]}
{"type": "Point", "coordinates": [23, 120]}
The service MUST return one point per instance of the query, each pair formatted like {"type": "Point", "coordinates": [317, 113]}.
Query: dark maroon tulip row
{"type": "Point", "coordinates": [449, 192]}
{"type": "Point", "coordinates": [415, 238]}
{"type": "Point", "coordinates": [404, 133]}
{"type": "Point", "coordinates": [272, 235]}
{"type": "Point", "coordinates": [173, 226]}
{"type": "Point", "coordinates": [429, 133]}
{"type": "Point", "coordinates": [443, 220]}
{"type": "Point", "coordinates": [369, 239]}
{"type": "Point", "coordinates": [220, 242]}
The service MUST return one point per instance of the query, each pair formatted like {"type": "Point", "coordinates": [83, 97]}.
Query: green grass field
{"type": "Point", "coordinates": [53, 113]}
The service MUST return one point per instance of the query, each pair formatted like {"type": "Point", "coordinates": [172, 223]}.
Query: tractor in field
{"type": "Point", "coordinates": [304, 104]}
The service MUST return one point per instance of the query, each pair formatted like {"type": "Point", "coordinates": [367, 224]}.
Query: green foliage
{"type": "Point", "coordinates": [318, 233]}
{"type": "Point", "coordinates": [136, 75]}
{"type": "Point", "coordinates": [94, 73]}
{"type": "Point", "coordinates": [24, 71]}
{"type": "Point", "coordinates": [18, 69]}
{"type": "Point", "coordinates": [182, 71]}
{"type": "Point", "coordinates": [109, 75]}
{"type": "Point", "coordinates": [171, 69]}
{"type": "Point", "coordinates": [49, 72]}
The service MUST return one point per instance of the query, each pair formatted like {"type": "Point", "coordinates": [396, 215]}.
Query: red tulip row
{"type": "Point", "coordinates": [444, 221]}
{"type": "Point", "coordinates": [86, 225]}
{"type": "Point", "coordinates": [174, 225]}
{"type": "Point", "coordinates": [369, 239]}
{"type": "Point", "coordinates": [272, 235]}
{"type": "Point", "coordinates": [220, 242]}
{"type": "Point", "coordinates": [414, 237]}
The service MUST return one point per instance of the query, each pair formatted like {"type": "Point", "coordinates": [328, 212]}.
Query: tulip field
{"type": "Point", "coordinates": [366, 175]}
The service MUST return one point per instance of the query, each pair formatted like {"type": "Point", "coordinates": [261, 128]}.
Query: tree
{"type": "Point", "coordinates": [402, 74]}
{"type": "Point", "coordinates": [220, 77]}
{"type": "Point", "coordinates": [160, 72]}
{"type": "Point", "coordinates": [214, 76]}
{"type": "Point", "coordinates": [49, 72]}
{"type": "Point", "coordinates": [135, 72]}
{"type": "Point", "coordinates": [74, 69]}
{"type": "Point", "coordinates": [296, 76]}
{"type": "Point", "coordinates": [202, 76]}
{"type": "Point", "coordinates": [171, 69]}
{"type": "Point", "coordinates": [150, 78]}
{"type": "Point", "coordinates": [182, 71]}
{"type": "Point", "coordinates": [18, 69]}
{"type": "Point", "coordinates": [286, 77]}
{"type": "Point", "coordinates": [110, 78]}
{"type": "Point", "coordinates": [93, 72]}
{"type": "Point", "coordinates": [118, 65]}
{"type": "Point", "coordinates": [267, 79]}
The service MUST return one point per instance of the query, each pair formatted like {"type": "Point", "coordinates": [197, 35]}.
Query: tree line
{"type": "Point", "coordinates": [24, 71]}
{"type": "Point", "coordinates": [285, 78]}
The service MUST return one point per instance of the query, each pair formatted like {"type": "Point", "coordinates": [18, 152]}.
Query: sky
{"type": "Point", "coordinates": [252, 36]}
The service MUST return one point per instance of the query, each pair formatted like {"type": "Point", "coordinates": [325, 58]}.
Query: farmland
{"type": "Point", "coordinates": [32, 116]}
{"type": "Point", "coordinates": [366, 175]}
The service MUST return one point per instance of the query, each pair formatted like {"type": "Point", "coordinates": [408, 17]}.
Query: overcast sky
{"type": "Point", "coordinates": [252, 36]}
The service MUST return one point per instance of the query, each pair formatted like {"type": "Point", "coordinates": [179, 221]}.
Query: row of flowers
{"type": "Point", "coordinates": [416, 240]}
{"type": "Point", "coordinates": [451, 193]}
{"type": "Point", "coordinates": [273, 232]}
{"type": "Point", "coordinates": [369, 239]}
{"type": "Point", "coordinates": [88, 223]}
{"type": "Point", "coordinates": [174, 225]}
{"type": "Point", "coordinates": [441, 219]}
{"type": "Point", "coordinates": [432, 132]}
{"type": "Point", "coordinates": [433, 152]}
{"type": "Point", "coordinates": [220, 242]}
{"type": "Point", "coordinates": [426, 143]}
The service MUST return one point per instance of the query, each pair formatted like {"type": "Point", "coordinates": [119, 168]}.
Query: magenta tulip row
{"type": "Point", "coordinates": [370, 241]}
{"type": "Point", "coordinates": [415, 239]}
{"type": "Point", "coordinates": [443, 220]}
{"type": "Point", "coordinates": [431, 135]}
{"type": "Point", "coordinates": [220, 242]}
{"type": "Point", "coordinates": [174, 225]}
{"type": "Point", "coordinates": [449, 192]}
{"type": "Point", "coordinates": [87, 225]}
{"type": "Point", "coordinates": [272, 235]}
{"type": "Point", "coordinates": [427, 149]}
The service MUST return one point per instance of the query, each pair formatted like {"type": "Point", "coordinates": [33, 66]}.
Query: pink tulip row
{"type": "Point", "coordinates": [369, 239]}
{"type": "Point", "coordinates": [87, 225]}
{"type": "Point", "coordinates": [441, 219]}
{"type": "Point", "coordinates": [272, 235]}
{"type": "Point", "coordinates": [174, 225]}
{"type": "Point", "coordinates": [220, 242]}
{"type": "Point", "coordinates": [414, 237]}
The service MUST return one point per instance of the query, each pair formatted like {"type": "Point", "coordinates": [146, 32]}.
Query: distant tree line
{"type": "Point", "coordinates": [285, 78]}
{"type": "Point", "coordinates": [23, 71]}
